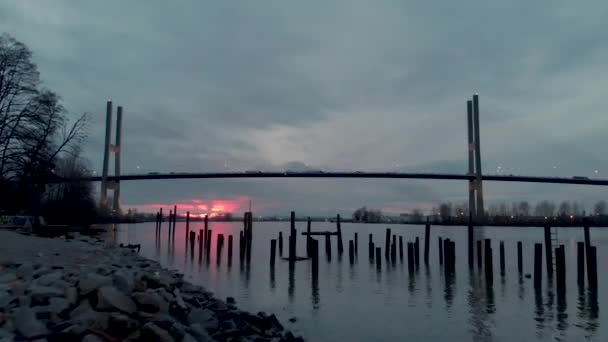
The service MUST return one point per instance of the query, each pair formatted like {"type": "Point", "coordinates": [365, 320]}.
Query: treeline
{"type": "Point", "coordinates": [564, 213]}
{"type": "Point", "coordinates": [38, 142]}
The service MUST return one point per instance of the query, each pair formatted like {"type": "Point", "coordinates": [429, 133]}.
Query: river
{"type": "Point", "coordinates": [360, 302]}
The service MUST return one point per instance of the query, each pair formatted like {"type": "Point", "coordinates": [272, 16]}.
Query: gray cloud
{"type": "Point", "coordinates": [351, 85]}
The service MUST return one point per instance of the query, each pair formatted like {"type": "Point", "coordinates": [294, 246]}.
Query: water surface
{"type": "Point", "coordinates": [361, 302]}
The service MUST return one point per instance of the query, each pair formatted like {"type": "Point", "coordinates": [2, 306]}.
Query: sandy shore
{"type": "Point", "coordinates": [83, 289]}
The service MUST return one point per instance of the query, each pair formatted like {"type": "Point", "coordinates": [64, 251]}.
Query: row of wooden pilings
{"type": "Point", "coordinates": [205, 237]}
{"type": "Point", "coordinates": [447, 253]}
{"type": "Point", "coordinates": [394, 247]}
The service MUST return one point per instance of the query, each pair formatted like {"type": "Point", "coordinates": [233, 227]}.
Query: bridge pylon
{"type": "Point", "coordinates": [476, 208]}
{"type": "Point", "coordinates": [111, 148]}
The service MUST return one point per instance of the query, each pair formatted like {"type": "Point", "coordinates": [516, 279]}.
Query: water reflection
{"type": "Point", "coordinates": [479, 314]}
{"type": "Point", "coordinates": [291, 284]}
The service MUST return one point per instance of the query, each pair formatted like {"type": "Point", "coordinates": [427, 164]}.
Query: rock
{"type": "Point", "coordinates": [200, 333]}
{"type": "Point", "coordinates": [58, 305]}
{"type": "Point", "coordinates": [91, 281]}
{"type": "Point", "coordinates": [230, 301]}
{"type": "Point", "coordinates": [120, 325]}
{"type": "Point", "coordinates": [189, 338]}
{"type": "Point", "coordinates": [228, 325]}
{"type": "Point", "coordinates": [179, 312]}
{"type": "Point", "coordinates": [40, 295]}
{"type": "Point", "coordinates": [26, 323]}
{"type": "Point", "coordinates": [124, 281]}
{"type": "Point", "coordinates": [293, 319]}
{"type": "Point", "coordinates": [151, 332]}
{"type": "Point", "coordinates": [110, 298]}
{"type": "Point", "coordinates": [71, 294]}
{"type": "Point", "coordinates": [206, 318]}
{"type": "Point", "coordinates": [25, 270]}
{"type": "Point", "coordinates": [148, 301]}
{"type": "Point", "coordinates": [83, 314]}
{"type": "Point", "coordinates": [275, 322]}
{"type": "Point", "coordinates": [7, 278]}
{"type": "Point", "coordinates": [91, 338]}
{"type": "Point", "coordinates": [51, 279]}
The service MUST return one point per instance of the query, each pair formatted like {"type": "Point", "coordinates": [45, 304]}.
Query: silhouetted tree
{"type": "Point", "coordinates": [445, 211]}
{"type": "Point", "coordinates": [523, 208]}
{"type": "Point", "coordinates": [544, 208]}
{"type": "Point", "coordinates": [600, 208]}
{"type": "Point", "coordinates": [34, 129]}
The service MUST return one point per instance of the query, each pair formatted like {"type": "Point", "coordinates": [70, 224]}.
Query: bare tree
{"type": "Point", "coordinates": [445, 211]}
{"type": "Point", "coordinates": [523, 208]}
{"type": "Point", "coordinates": [600, 208]}
{"type": "Point", "coordinates": [564, 209]}
{"type": "Point", "coordinates": [544, 208]}
{"type": "Point", "coordinates": [34, 129]}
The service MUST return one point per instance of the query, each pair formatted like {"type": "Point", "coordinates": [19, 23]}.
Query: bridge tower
{"type": "Point", "coordinates": [476, 208]}
{"type": "Point", "coordinates": [111, 148]}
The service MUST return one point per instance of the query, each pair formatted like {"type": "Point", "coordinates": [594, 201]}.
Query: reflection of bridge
{"type": "Point", "coordinates": [378, 175]}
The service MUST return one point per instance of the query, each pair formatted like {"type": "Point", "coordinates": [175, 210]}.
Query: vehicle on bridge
{"type": "Point", "coordinates": [580, 177]}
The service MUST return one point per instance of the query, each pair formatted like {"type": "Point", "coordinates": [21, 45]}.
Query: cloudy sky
{"type": "Point", "coordinates": [335, 85]}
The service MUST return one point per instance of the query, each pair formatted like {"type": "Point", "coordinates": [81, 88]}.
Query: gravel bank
{"type": "Point", "coordinates": [85, 290]}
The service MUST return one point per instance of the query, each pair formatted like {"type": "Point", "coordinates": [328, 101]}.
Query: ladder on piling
{"type": "Point", "coordinates": [554, 244]}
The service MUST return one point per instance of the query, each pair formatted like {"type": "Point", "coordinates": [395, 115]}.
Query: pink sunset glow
{"type": "Point", "coordinates": [201, 207]}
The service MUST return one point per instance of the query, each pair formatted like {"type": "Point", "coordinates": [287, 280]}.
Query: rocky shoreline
{"type": "Point", "coordinates": [84, 290]}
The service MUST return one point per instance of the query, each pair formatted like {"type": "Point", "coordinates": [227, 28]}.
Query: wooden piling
{"type": "Point", "coordinates": [479, 254]}
{"type": "Point", "coordinates": [170, 224]}
{"type": "Point", "coordinates": [410, 257]}
{"type": "Point", "coordinates": [394, 250]}
{"type": "Point", "coordinates": [440, 251]}
{"type": "Point", "coordinates": [580, 261]}
{"type": "Point", "coordinates": [229, 248]}
{"type": "Point", "coordinates": [387, 243]}
{"type": "Point", "coordinates": [587, 246]}
{"type": "Point", "coordinates": [548, 248]}
{"type": "Point", "coordinates": [592, 261]}
{"type": "Point", "coordinates": [378, 257]}
{"type": "Point", "coordinates": [218, 248]}
{"type": "Point", "coordinates": [206, 230]}
{"type": "Point", "coordinates": [192, 240]}
{"type": "Point", "coordinates": [371, 247]}
{"type": "Point", "coordinates": [315, 256]}
{"type": "Point", "coordinates": [273, 251]}
{"type": "Point", "coordinates": [339, 229]}
{"type": "Point", "coordinates": [208, 240]}
{"type": "Point", "coordinates": [520, 266]}
{"type": "Point", "coordinates": [356, 244]}
{"type": "Point", "coordinates": [280, 243]}
{"type": "Point", "coordinates": [241, 245]}
{"type": "Point", "coordinates": [488, 261]}
{"type": "Point", "coordinates": [427, 237]}
{"type": "Point", "coordinates": [292, 246]}
{"type": "Point", "coordinates": [187, 224]}
{"type": "Point", "coordinates": [200, 242]}
{"type": "Point", "coordinates": [174, 217]}
{"type": "Point", "coordinates": [502, 258]}
{"type": "Point", "coordinates": [308, 237]}
{"type": "Point", "coordinates": [401, 248]}
{"type": "Point", "coordinates": [328, 246]}
{"type": "Point", "coordinates": [560, 269]}
{"type": "Point", "coordinates": [538, 257]}
{"type": "Point", "coordinates": [351, 251]}
{"type": "Point", "coordinates": [417, 252]}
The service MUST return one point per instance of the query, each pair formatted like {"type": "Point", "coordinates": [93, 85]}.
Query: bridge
{"type": "Point", "coordinates": [473, 175]}
{"type": "Point", "coordinates": [376, 175]}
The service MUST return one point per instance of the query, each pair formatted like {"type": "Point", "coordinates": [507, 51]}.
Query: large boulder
{"type": "Point", "coordinates": [205, 318]}
{"type": "Point", "coordinates": [152, 332]}
{"type": "Point", "coordinates": [91, 282]}
{"type": "Point", "coordinates": [149, 302]}
{"type": "Point", "coordinates": [27, 324]}
{"type": "Point", "coordinates": [110, 298]}
{"type": "Point", "coordinates": [124, 281]}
